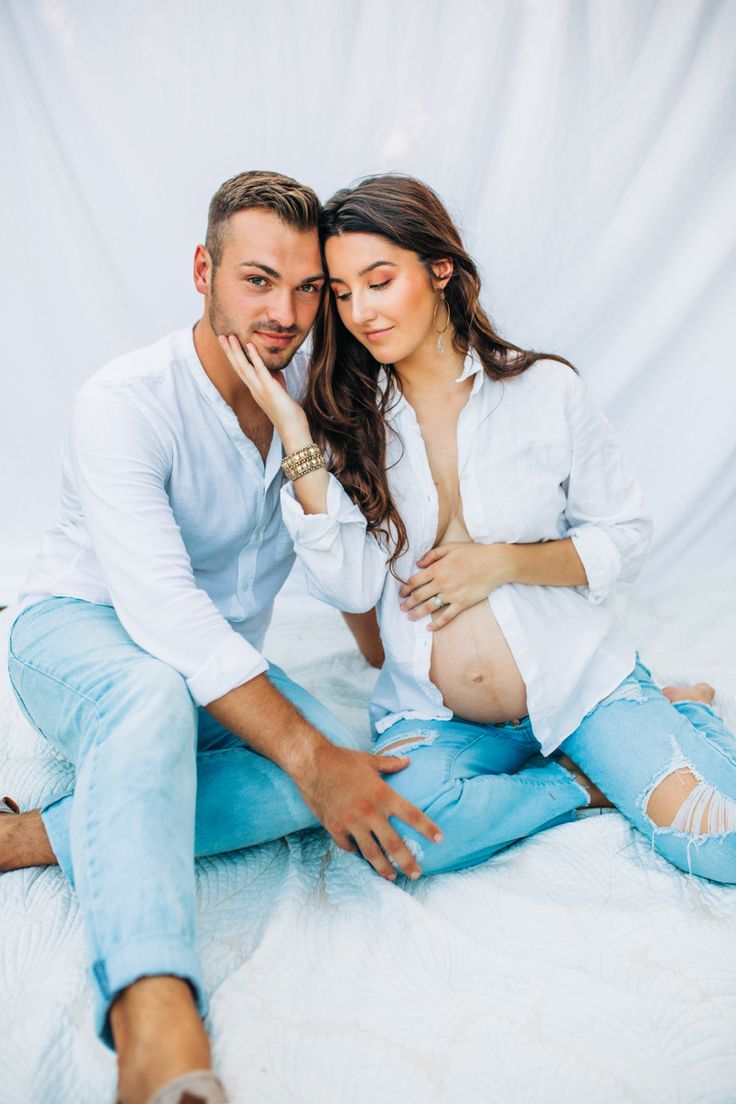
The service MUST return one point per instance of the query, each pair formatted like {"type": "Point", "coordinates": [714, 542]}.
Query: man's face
{"type": "Point", "coordinates": [268, 285]}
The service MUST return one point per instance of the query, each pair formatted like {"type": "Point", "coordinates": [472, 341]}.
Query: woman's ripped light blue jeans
{"type": "Point", "coordinates": [487, 786]}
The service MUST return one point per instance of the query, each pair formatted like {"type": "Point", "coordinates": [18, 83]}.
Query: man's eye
{"type": "Point", "coordinates": [257, 281]}
{"type": "Point", "coordinates": [309, 288]}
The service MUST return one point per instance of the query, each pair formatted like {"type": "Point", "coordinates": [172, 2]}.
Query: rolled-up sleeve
{"type": "Point", "coordinates": [605, 512]}
{"type": "Point", "coordinates": [121, 464]}
{"type": "Point", "coordinates": [344, 565]}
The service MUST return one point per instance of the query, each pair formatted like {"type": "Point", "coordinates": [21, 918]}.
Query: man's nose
{"type": "Point", "coordinates": [281, 310]}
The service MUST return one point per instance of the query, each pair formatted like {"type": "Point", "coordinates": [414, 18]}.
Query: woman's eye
{"type": "Point", "coordinates": [341, 298]}
{"type": "Point", "coordinates": [377, 287]}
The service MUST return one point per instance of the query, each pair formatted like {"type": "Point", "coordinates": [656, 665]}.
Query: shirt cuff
{"type": "Point", "coordinates": [600, 558]}
{"type": "Point", "coordinates": [319, 531]}
{"type": "Point", "coordinates": [233, 663]}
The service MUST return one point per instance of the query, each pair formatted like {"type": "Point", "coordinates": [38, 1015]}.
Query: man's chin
{"type": "Point", "coordinates": [276, 359]}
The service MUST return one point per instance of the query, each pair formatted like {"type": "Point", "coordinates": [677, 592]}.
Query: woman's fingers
{"type": "Point", "coordinates": [444, 617]}
{"type": "Point", "coordinates": [238, 360]}
{"type": "Point", "coordinates": [420, 579]}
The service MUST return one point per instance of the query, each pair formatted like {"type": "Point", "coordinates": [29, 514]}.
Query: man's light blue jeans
{"type": "Point", "coordinates": [487, 786]}
{"type": "Point", "coordinates": [158, 780]}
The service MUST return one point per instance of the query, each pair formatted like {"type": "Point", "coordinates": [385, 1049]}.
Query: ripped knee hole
{"type": "Point", "coordinates": [684, 801]}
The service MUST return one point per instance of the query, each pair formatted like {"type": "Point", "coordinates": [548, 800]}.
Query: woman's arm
{"type": "Point", "coordinates": [344, 565]}
{"type": "Point", "coordinates": [364, 627]}
{"type": "Point", "coordinates": [464, 573]}
{"type": "Point", "coordinates": [605, 513]}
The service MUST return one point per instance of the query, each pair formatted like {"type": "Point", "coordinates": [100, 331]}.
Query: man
{"type": "Point", "coordinates": [136, 652]}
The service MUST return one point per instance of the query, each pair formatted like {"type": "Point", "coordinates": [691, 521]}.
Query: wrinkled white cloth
{"type": "Point", "coordinates": [169, 514]}
{"type": "Point", "coordinates": [577, 960]}
{"type": "Point", "coordinates": [537, 461]}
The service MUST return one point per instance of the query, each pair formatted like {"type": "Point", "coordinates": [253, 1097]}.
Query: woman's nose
{"type": "Point", "coordinates": [362, 311]}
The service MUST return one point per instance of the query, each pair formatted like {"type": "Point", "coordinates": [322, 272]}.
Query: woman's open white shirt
{"type": "Point", "coordinates": [537, 461]}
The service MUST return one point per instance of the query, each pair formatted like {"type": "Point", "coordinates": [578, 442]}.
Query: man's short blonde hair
{"type": "Point", "coordinates": [292, 202]}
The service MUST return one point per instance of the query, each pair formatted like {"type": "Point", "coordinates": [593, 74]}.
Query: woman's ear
{"type": "Point", "coordinates": [442, 270]}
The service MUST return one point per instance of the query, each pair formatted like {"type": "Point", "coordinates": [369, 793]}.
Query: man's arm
{"type": "Point", "coordinates": [343, 788]}
{"type": "Point", "coordinates": [121, 467]}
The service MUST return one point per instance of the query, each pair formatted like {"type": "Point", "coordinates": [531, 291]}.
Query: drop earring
{"type": "Point", "coordinates": [440, 340]}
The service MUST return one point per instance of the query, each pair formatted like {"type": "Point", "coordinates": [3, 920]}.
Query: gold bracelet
{"type": "Point", "coordinates": [302, 462]}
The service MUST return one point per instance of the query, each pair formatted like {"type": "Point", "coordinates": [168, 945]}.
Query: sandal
{"type": "Point", "coordinates": [198, 1087]}
{"type": "Point", "coordinates": [7, 805]}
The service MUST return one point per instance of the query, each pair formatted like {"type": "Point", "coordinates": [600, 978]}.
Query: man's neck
{"type": "Point", "coordinates": [220, 372]}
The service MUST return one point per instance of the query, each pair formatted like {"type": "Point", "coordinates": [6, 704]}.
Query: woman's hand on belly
{"type": "Point", "coordinates": [463, 573]}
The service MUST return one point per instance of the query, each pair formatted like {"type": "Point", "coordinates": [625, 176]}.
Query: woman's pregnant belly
{"type": "Point", "coordinates": [472, 665]}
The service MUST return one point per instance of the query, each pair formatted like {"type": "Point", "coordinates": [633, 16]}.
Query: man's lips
{"type": "Point", "coordinates": [372, 335]}
{"type": "Point", "coordinates": [274, 338]}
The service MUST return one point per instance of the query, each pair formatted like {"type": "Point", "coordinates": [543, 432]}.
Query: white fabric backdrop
{"type": "Point", "coordinates": [587, 149]}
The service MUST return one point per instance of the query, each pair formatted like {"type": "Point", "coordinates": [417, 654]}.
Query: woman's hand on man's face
{"type": "Point", "coordinates": [462, 573]}
{"type": "Point", "coordinates": [267, 388]}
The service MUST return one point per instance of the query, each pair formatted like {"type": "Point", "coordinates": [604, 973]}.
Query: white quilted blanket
{"type": "Point", "coordinates": [330, 985]}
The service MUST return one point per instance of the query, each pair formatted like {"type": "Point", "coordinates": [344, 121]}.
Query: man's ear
{"type": "Point", "coordinates": [202, 270]}
{"type": "Point", "coordinates": [442, 270]}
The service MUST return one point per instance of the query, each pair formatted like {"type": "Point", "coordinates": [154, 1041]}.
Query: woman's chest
{"type": "Point", "coordinates": [507, 475]}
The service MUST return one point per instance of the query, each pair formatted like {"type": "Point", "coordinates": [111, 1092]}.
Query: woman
{"type": "Point", "coordinates": [479, 498]}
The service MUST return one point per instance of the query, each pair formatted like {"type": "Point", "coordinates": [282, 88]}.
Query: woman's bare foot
{"type": "Point", "coordinates": [158, 1036]}
{"type": "Point", "coordinates": [700, 691]}
{"type": "Point", "coordinates": [598, 799]}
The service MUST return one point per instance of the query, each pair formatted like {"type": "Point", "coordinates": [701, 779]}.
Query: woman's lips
{"type": "Point", "coordinates": [374, 335]}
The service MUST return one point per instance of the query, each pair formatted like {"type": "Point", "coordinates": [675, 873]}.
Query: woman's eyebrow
{"type": "Point", "coordinates": [363, 271]}
{"type": "Point", "coordinates": [376, 264]}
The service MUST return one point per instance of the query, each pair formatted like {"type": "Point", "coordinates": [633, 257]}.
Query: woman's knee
{"type": "Point", "coordinates": [424, 778]}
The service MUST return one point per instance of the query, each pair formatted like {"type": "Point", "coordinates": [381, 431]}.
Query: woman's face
{"type": "Point", "coordinates": [384, 294]}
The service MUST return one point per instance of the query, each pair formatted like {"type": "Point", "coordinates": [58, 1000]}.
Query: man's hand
{"type": "Point", "coordinates": [342, 787]}
{"type": "Point", "coordinates": [345, 791]}
{"type": "Point", "coordinates": [462, 573]}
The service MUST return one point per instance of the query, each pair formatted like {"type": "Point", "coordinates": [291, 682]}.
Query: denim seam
{"type": "Point", "coordinates": [701, 732]}
{"type": "Point", "coordinates": [460, 751]}
{"type": "Point", "coordinates": [53, 678]}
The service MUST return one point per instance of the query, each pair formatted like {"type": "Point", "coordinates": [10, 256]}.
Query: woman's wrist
{"type": "Point", "coordinates": [504, 564]}
{"type": "Point", "coordinates": [295, 436]}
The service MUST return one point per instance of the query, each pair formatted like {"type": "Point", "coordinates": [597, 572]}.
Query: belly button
{"type": "Point", "coordinates": [476, 678]}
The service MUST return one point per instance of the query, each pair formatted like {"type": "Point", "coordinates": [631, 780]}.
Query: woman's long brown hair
{"type": "Point", "coordinates": [345, 404]}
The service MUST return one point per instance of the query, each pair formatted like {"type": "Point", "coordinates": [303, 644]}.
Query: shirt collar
{"type": "Point", "coordinates": [472, 366]}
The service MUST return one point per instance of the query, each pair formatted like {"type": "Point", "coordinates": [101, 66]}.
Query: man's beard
{"type": "Point", "coordinates": [221, 323]}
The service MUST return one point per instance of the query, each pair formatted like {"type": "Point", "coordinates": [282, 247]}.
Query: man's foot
{"type": "Point", "coordinates": [23, 841]}
{"type": "Point", "coordinates": [598, 799]}
{"type": "Point", "coordinates": [158, 1036]}
{"type": "Point", "coordinates": [701, 692]}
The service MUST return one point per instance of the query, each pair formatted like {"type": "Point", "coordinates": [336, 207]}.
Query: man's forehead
{"type": "Point", "coordinates": [260, 235]}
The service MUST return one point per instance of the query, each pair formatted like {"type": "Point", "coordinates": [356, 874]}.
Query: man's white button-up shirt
{"type": "Point", "coordinates": [537, 461]}
{"type": "Point", "coordinates": [170, 515]}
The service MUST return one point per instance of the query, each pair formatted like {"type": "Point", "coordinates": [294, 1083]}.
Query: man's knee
{"type": "Point", "coordinates": [150, 701]}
